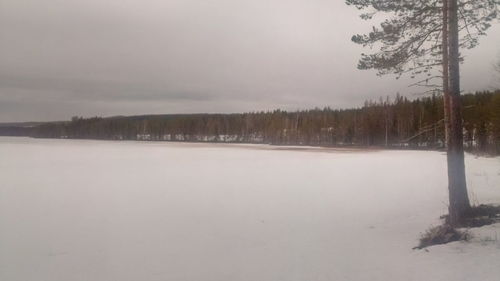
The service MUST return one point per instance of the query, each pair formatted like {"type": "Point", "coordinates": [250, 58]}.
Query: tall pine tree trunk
{"type": "Point", "coordinates": [446, 77]}
{"type": "Point", "coordinates": [457, 186]}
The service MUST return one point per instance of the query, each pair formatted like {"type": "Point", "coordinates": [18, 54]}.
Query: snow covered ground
{"type": "Point", "coordinates": [100, 210]}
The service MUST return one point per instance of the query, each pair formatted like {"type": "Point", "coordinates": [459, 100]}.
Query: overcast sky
{"type": "Point", "coordinates": [60, 58]}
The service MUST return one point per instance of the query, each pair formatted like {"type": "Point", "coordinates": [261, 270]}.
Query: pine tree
{"type": "Point", "coordinates": [417, 39]}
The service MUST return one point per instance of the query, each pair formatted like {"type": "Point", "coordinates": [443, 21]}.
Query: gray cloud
{"type": "Point", "coordinates": [60, 58]}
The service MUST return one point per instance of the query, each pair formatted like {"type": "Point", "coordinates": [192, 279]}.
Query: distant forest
{"type": "Point", "coordinates": [395, 123]}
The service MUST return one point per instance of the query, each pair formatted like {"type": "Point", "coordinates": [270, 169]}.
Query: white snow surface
{"type": "Point", "coordinates": [75, 210]}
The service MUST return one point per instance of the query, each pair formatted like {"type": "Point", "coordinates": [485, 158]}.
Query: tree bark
{"type": "Point", "coordinates": [457, 186]}
{"type": "Point", "coordinates": [446, 77]}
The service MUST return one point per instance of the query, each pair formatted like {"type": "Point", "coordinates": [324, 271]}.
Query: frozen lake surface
{"type": "Point", "coordinates": [75, 210]}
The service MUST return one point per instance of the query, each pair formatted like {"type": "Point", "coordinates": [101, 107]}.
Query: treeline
{"type": "Point", "coordinates": [14, 130]}
{"type": "Point", "coordinates": [18, 129]}
{"type": "Point", "coordinates": [399, 122]}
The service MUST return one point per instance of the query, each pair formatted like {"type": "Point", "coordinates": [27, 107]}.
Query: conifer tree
{"type": "Point", "coordinates": [418, 38]}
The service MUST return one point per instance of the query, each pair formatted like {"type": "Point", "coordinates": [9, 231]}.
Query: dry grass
{"type": "Point", "coordinates": [441, 234]}
{"type": "Point", "coordinates": [476, 217]}
{"type": "Point", "coordinates": [479, 216]}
